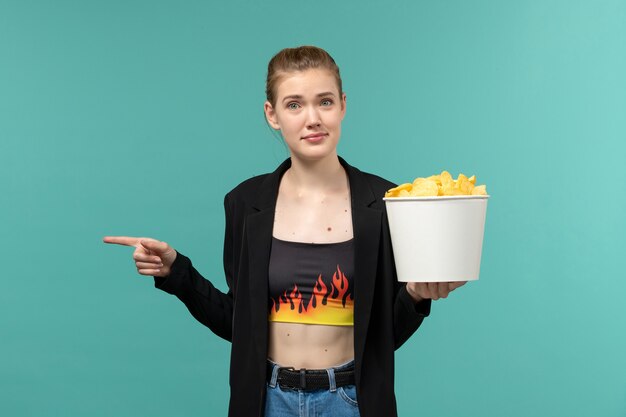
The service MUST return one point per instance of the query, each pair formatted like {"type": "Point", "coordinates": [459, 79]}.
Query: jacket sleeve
{"type": "Point", "coordinates": [407, 314]}
{"type": "Point", "coordinates": [206, 303]}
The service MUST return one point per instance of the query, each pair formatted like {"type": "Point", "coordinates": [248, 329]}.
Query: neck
{"type": "Point", "coordinates": [322, 174]}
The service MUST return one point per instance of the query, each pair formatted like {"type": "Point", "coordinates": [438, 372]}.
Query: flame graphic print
{"type": "Point", "coordinates": [329, 304]}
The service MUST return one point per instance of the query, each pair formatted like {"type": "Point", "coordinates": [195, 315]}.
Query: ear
{"type": "Point", "coordinates": [270, 115]}
{"type": "Point", "coordinates": [343, 105]}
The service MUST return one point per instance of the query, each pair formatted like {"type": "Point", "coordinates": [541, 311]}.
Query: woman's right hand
{"type": "Point", "coordinates": [151, 256]}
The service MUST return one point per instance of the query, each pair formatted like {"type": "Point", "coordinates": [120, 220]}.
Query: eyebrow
{"type": "Point", "coordinates": [298, 96]}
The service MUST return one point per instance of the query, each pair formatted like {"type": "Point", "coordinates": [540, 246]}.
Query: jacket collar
{"type": "Point", "coordinates": [360, 191]}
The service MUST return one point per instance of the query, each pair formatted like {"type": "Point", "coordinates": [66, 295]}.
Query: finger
{"type": "Point", "coordinates": [154, 245]}
{"type": "Point", "coordinates": [121, 240]}
{"type": "Point", "coordinates": [454, 285]}
{"type": "Point", "coordinates": [148, 271]}
{"type": "Point", "coordinates": [143, 257]}
{"type": "Point", "coordinates": [443, 290]}
{"type": "Point", "coordinates": [432, 289]}
{"type": "Point", "coordinates": [148, 265]}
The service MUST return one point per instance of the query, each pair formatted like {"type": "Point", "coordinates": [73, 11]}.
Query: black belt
{"type": "Point", "coordinates": [310, 379]}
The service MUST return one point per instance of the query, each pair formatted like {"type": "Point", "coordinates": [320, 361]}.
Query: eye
{"type": "Point", "coordinates": [293, 105]}
{"type": "Point", "coordinates": [327, 102]}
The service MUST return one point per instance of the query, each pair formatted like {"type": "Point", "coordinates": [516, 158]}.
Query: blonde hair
{"type": "Point", "coordinates": [298, 59]}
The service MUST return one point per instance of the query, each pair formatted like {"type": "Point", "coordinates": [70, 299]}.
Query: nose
{"type": "Point", "coordinates": [313, 117]}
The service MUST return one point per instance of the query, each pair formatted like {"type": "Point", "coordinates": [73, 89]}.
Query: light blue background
{"type": "Point", "coordinates": [135, 117]}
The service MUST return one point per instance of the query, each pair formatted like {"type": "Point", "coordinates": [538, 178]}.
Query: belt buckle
{"type": "Point", "coordinates": [301, 372]}
{"type": "Point", "coordinates": [280, 368]}
{"type": "Point", "coordinates": [289, 368]}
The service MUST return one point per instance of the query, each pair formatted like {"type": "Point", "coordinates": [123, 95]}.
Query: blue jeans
{"type": "Point", "coordinates": [332, 402]}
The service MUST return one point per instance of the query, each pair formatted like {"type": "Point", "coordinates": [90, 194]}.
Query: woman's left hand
{"type": "Point", "coordinates": [433, 290]}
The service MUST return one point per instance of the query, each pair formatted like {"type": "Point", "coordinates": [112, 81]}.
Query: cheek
{"type": "Point", "coordinates": [290, 130]}
{"type": "Point", "coordinates": [294, 123]}
{"type": "Point", "coordinates": [334, 120]}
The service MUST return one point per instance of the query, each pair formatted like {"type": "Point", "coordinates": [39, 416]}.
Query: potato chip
{"type": "Point", "coordinates": [424, 188]}
{"type": "Point", "coordinates": [395, 192]}
{"type": "Point", "coordinates": [446, 177]}
{"type": "Point", "coordinates": [464, 185]}
{"type": "Point", "coordinates": [479, 190]}
{"type": "Point", "coordinates": [438, 185]}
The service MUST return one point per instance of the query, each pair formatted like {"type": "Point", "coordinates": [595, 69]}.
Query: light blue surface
{"type": "Point", "coordinates": [134, 118]}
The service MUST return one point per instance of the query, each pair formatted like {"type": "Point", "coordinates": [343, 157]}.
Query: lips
{"type": "Point", "coordinates": [315, 136]}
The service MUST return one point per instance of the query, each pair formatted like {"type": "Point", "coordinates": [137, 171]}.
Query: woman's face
{"type": "Point", "coordinates": [308, 111]}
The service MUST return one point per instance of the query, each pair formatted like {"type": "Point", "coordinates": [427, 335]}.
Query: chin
{"type": "Point", "coordinates": [314, 154]}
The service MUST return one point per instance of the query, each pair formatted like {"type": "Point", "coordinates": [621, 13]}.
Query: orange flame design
{"type": "Point", "coordinates": [334, 307]}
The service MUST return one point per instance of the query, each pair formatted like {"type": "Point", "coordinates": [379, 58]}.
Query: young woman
{"type": "Point", "coordinates": [314, 310]}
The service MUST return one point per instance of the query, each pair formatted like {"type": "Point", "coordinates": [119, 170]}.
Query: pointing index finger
{"type": "Point", "coordinates": [122, 240]}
